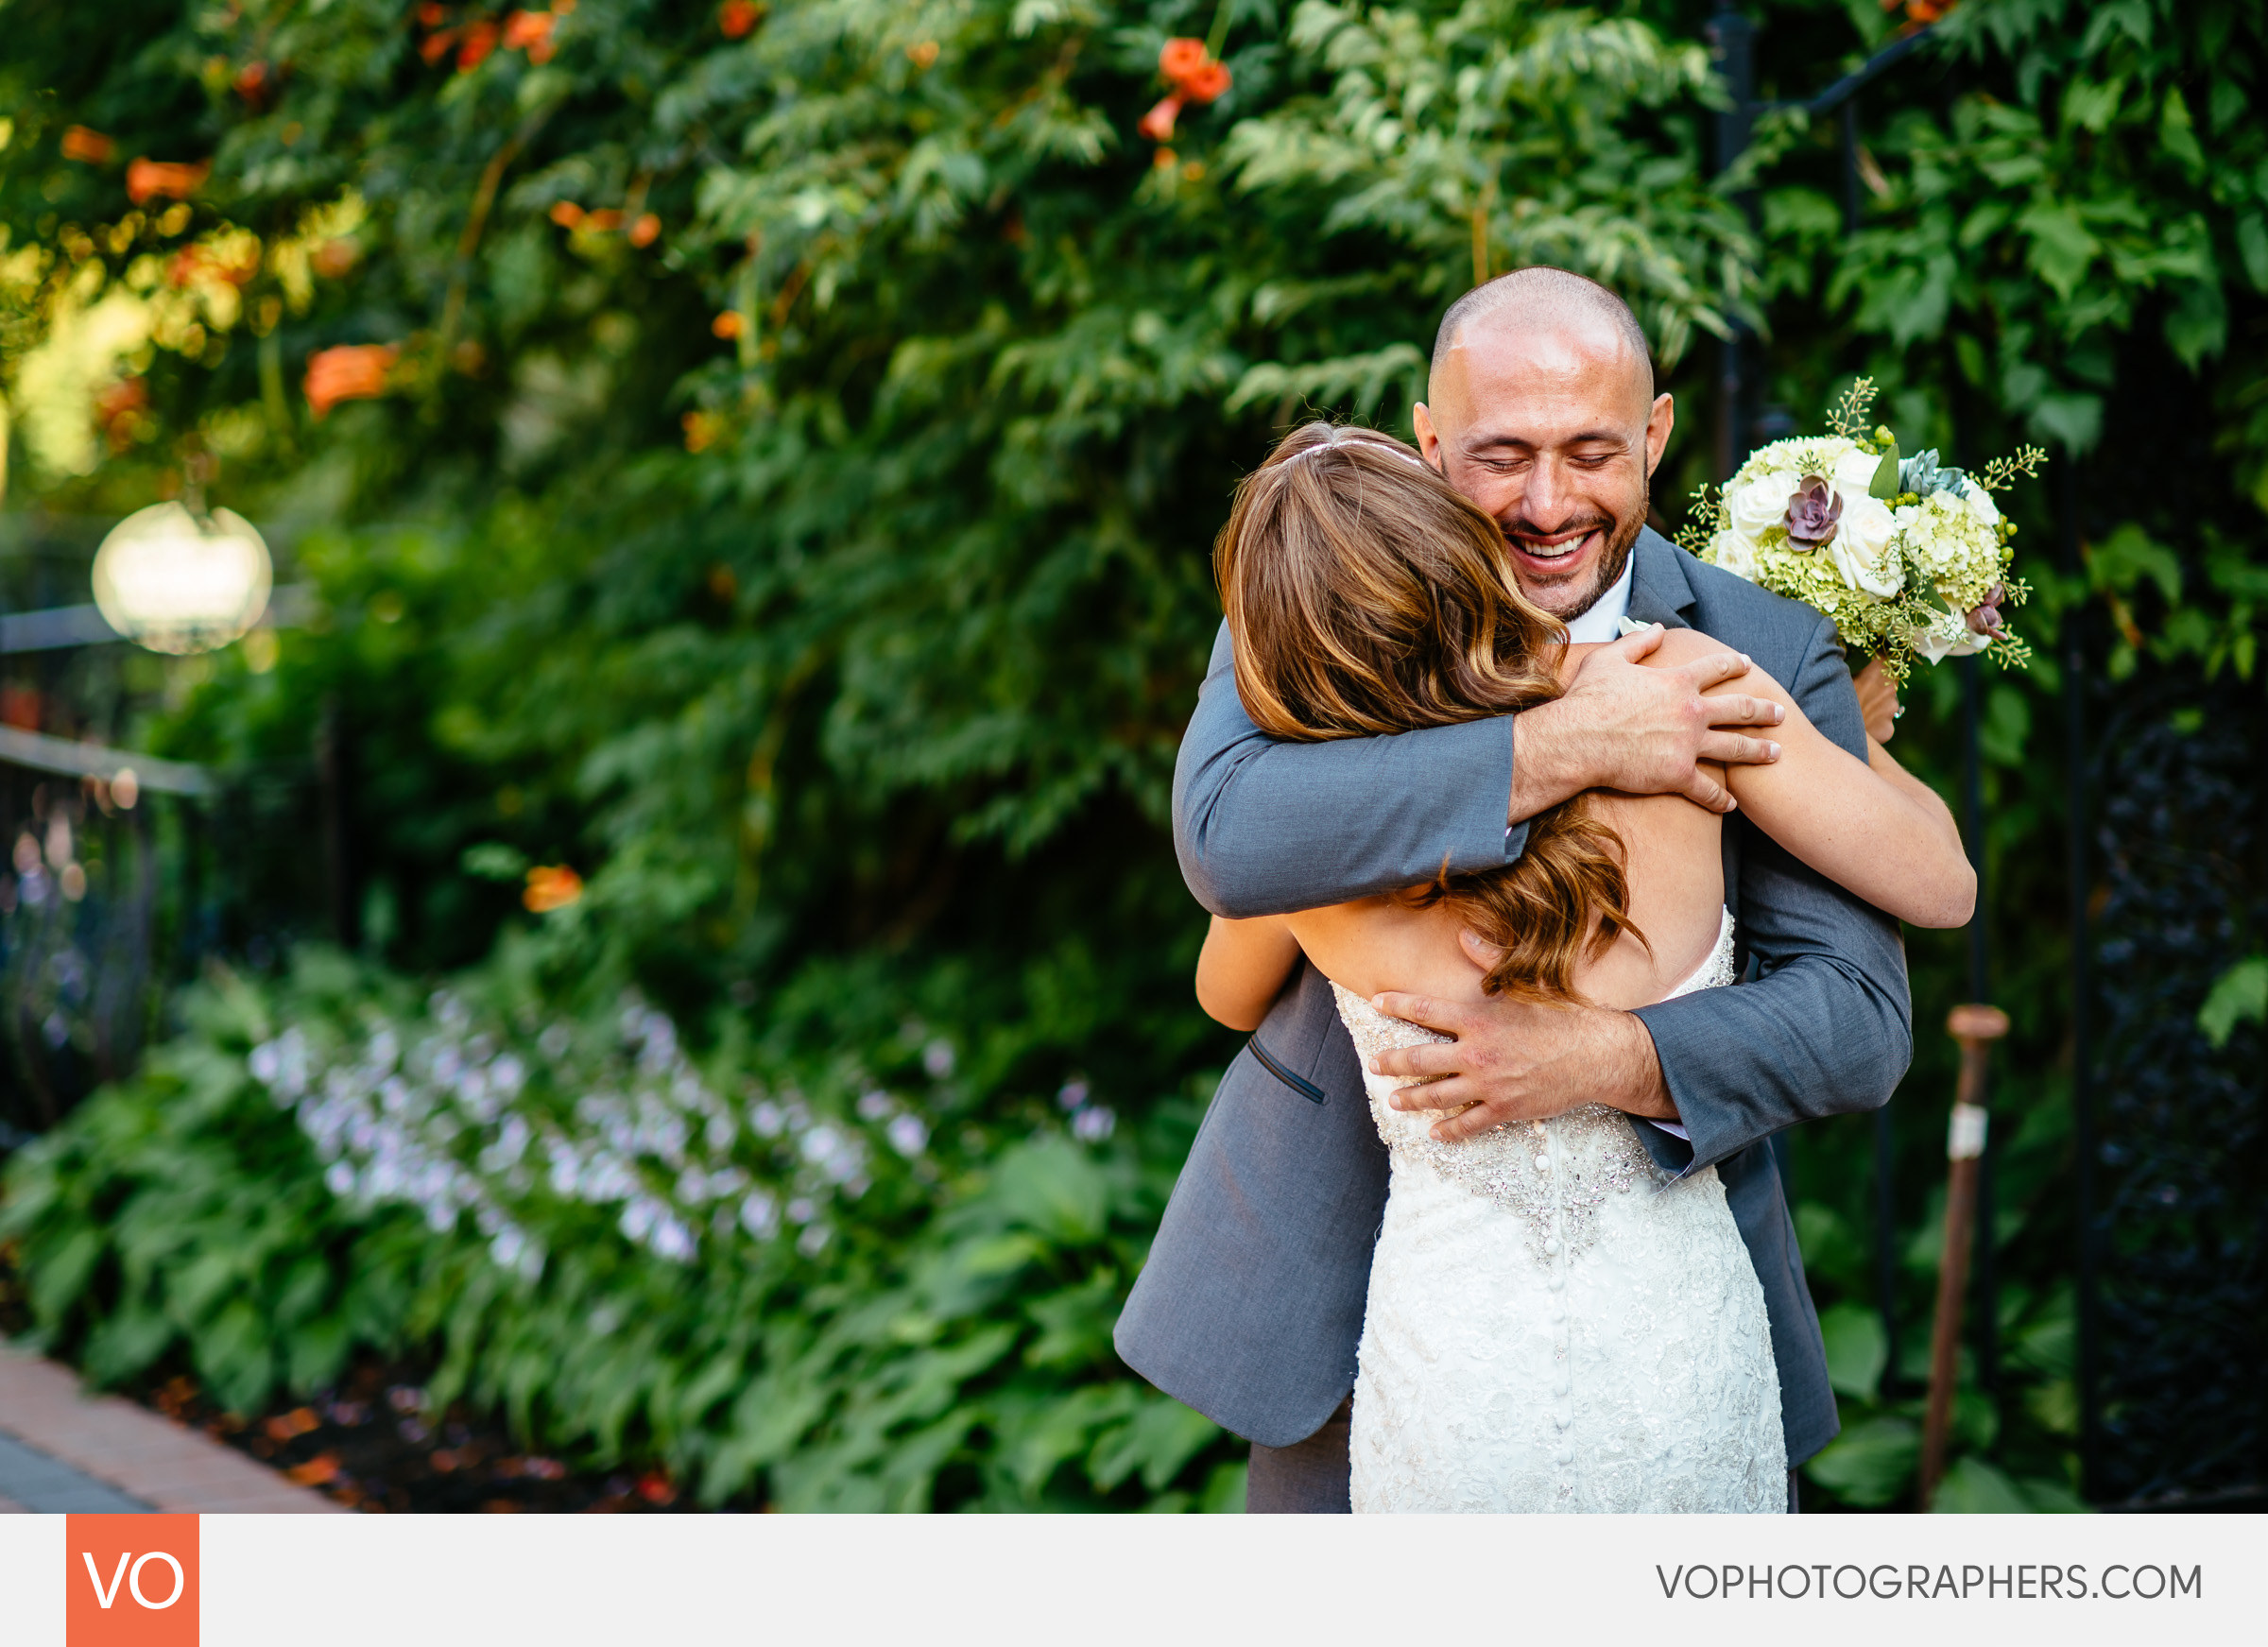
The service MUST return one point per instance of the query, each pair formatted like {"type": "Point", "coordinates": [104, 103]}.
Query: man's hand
{"type": "Point", "coordinates": [1639, 730]}
{"type": "Point", "coordinates": [1514, 1060]}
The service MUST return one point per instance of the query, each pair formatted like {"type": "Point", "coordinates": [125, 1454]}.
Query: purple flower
{"type": "Point", "coordinates": [1985, 619]}
{"type": "Point", "coordinates": [1812, 513]}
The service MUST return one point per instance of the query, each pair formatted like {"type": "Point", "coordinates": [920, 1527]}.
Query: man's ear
{"type": "Point", "coordinates": [1429, 439]}
{"type": "Point", "coordinates": [1478, 950]}
{"type": "Point", "coordinates": [1659, 421]}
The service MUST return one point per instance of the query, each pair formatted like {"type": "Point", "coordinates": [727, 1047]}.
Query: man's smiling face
{"type": "Point", "coordinates": [1553, 430]}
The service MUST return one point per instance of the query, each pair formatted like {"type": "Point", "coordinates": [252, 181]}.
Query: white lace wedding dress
{"type": "Point", "coordinates": [1554, 1324]}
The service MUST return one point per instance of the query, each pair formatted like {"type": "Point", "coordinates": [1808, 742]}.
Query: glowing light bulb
{"type": "Point", "coordinates": [169, 580]}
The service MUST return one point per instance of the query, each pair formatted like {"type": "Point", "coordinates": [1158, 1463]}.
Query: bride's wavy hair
{"type": "Point", "coordinates": [1366, 596]}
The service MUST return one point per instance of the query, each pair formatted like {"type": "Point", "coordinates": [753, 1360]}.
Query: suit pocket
{"type": "Point", "coordinates": [1282, 1072]}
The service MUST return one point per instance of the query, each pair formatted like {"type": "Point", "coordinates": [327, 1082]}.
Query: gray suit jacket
{"type": "Point", "coordinates": [1250, 1305]}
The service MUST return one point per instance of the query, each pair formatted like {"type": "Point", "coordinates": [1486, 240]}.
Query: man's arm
{"type": "Point", "coordinates": [1265, 828]}
{"type": "Point", "coordinates": [1826, 1029]}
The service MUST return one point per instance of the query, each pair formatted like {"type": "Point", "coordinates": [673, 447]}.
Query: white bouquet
{"type": "Point", "coordinates": [1908, 557]}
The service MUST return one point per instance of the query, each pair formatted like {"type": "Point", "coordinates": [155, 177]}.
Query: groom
{"type": "Point", "coordinates": [1541, 411]}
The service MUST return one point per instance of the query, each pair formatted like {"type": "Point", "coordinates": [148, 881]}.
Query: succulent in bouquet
{"type": "Point", "coordinates": [1909, 556]}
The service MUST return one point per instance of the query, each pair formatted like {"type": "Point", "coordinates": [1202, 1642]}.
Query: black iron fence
{"type": "Point", "coordinates": [2177, 1229]}
{"type": "Point", "coordinates": [121, 874]}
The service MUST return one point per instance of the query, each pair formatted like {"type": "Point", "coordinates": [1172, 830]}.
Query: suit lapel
{"type": "Point", "coordinates": [1660, 592]}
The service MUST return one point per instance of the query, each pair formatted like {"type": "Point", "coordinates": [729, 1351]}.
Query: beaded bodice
{"type": "Point", "coordinates": [1554, 1323]}
{"type": "Point", "coordinates": [1552, 1174]}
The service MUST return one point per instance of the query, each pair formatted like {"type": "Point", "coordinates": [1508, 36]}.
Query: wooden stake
{"type": "Point", "coordinates": [1976, 1028]}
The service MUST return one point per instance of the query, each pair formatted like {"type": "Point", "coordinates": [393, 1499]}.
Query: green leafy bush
{"type": "Point", "coordinates": [764, 1275]}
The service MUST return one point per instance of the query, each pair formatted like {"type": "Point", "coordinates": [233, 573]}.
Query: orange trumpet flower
{"type": "Point", "coordinates": [480, 39]}
{"type": "Point", "coordinates": [83, 143]}
{"type": "Point", "coordinates": [1197, 76]}
{"type": "Point", "coordinates": [551, 887]}
{"type": "Point", "coordinates": [1206, 81]}
{"type": "Point", "coordinates": [1181, 58]}
{"type": "Point", "coordinates": [1192, 71]}
{"type": "Point", "coordinates": [145, 180]}
{"type": "Point", "coordinates": [530, 33]}
{"type": "Point", "coordinates": [352, 371]}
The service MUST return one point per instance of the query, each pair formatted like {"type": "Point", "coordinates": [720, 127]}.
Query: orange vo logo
{"type": "Point", "coordinates": [130, 1581]}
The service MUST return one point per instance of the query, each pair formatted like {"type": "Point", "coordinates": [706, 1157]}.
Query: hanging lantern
{"type": "Point", "coordinates": [175, 582]}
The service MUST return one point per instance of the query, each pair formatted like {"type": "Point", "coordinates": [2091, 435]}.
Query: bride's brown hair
{"type": "Point", "coordinates": [1366, 596]}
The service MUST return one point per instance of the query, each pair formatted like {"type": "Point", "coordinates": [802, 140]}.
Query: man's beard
{"type": "Point", "coordinates": [1621, 539]}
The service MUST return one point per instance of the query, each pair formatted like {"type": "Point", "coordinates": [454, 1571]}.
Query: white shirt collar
{"type": "Point", "coordinates": [1603, 621]}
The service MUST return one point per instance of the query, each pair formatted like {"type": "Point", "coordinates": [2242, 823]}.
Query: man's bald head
{"type": "Point", "coordinates": [1544, 300]}
{"type": "Point", "coordinates": [1541, 411]}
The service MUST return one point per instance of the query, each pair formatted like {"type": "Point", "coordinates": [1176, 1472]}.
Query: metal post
{"type": "Point", "coordinates": [191, 944]}
{"type": "Point", "coordinates": [1850, 165]}
{"type": "Point", "coordinates": [1885, 1250]}
{"type": "Point", "coordinates": [1989, 1274]}
{"type": "Point", "coordinates": [334, 762]}
{"type": "Point", "coordinates": [1976, 1027]}
{"type": "Point", "coordinates": [1732, 40]}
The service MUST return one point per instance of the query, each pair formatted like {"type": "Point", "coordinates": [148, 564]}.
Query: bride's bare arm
{"type": "Point", "coordinates": [1873, 827]}
{"type": "Point", "coordinates": [1886, 766]}
{"type": "Point", "coordinates": [1242, 967]}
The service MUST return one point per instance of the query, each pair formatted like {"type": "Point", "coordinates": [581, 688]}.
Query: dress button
{"type": "Point", "coordinates": [1565, 1455]}
{"type": "Point", "coordinates": [1551, 1247]}
{"type": "Point", "coordinates": [1563, 1419]}
{"type": "Point", "coordinates": [1560, 1388]}
{"type": "Point", "coordinates": [1558, 1282]}
{"type": "Point", "coordinates": [1543, 1163]}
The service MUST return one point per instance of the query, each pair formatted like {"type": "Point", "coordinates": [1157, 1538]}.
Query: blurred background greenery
{"type": "Point", "coordinates": [685, 943]}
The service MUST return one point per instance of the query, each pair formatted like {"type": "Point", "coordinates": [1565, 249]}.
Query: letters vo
{"type": "Point", "coordinates": [130, 1581]}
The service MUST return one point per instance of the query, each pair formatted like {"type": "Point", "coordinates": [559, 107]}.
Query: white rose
{"type": "Point", "coordinates": [1863, 546]}
{"type": "Point", "coordinates": [1854, 472]}
{"type": "Point", "coordinates": [1761, 504]}
{"type": "Point", "coordinates": [1735, 553]}
{"type": "Point", "coordinates": [1980, 505]}
{"type": "Point", "coordinates": [1948, 635]}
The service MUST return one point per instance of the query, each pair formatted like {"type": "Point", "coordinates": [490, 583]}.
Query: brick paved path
{"type": "Point", "coordinates": [61, 1448]}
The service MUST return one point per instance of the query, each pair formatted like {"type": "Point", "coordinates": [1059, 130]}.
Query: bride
{"type": "Point", "coordinates": [1554, 1324]}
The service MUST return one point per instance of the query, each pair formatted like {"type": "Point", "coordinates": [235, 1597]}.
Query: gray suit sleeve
{"type": "Point", "coordinates": [1263, 827]}
{"type": "Point", "coordinates": [1828, 1026]}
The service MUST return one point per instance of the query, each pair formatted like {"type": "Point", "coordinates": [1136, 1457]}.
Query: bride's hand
{"type": "Point", "coordinates": [1878, 701]}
